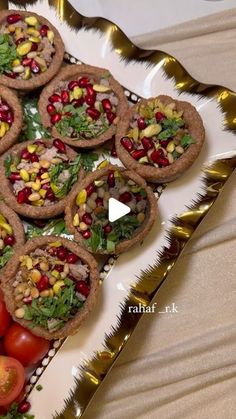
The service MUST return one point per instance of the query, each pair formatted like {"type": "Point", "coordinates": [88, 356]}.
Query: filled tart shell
{"type": "Point", "coordinates": [72, 72]}
{"type": "Point", "coordinates": [73, 324]}
{"type": "Point", "coordinates": [11, 136]}
{"type": "Point", "coordinates": [44, 77]}
{"type": "Point", "coordinates": [139, 234]}
{"type": "Point", "coordinates": [25, 209]}
{"type": "Point", "coordinates": [184, 162]}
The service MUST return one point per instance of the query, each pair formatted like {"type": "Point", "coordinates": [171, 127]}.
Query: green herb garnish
{"type": "Point", "coordinates": [78, 123]}
{"type": "Point", "coordinates": [7, 53]}
{"type": "Point", "coordinates": [187, 140]}
{"type": "Point", "coordinates": [52, 313]}
{"type": "Point", "coordinates": [96, 241]}
{"type": "Point", "coordinates": [173, 123]}
{"type": "Point", "coordinates": [88, 160]}
{"type": "Point", "coordinates": [8, 252]}
{"type": "Point", "coordinates": [54, 173]}
{"type": "Point", "coordinates": [54, 227]}
{"type": "Point", "coordinates": [7, 164]}
{"type": "Point", "coordinates": [14, 414]}
{"type": "Point", "coordinates": [33, 128]}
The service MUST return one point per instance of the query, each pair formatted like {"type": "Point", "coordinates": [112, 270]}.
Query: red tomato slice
{"type": "Point", "coordinates": [12, 379]}
{"type": "Point", "coordinates": [5, 318]}
{"type": "Point", "coordinates": [21, 344]}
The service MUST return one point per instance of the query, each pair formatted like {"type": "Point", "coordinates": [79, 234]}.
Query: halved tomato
{"type": "Point", "coordinates": [12, 379]}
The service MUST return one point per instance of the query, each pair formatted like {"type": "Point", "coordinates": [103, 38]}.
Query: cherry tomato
{"type": "Point", "coordinates": [21, 344]}
{"type": "Point", "coordinates": [5, 318]}
{"type": "Point", "coordinates": [12, 379]}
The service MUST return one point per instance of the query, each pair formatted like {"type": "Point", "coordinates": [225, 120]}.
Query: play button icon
{"type": "Point", "coordinates": [116, 209]}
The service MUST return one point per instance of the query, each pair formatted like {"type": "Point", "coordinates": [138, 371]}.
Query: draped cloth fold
{"type": "Point", "coordinates": [183, 365]}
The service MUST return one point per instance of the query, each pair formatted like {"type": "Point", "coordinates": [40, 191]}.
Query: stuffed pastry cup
{"type": "Point", "coordinates": [12, 236]}
{"type": "Point", "coordinates": [11, 118]}
{"type": "Point", "coordinates": [83, 105]}
{"type": "Point", "coordinates": [160, 138]}
{"type": "Point", "coordinates": [31, 48]}
{"type": "Point", "coordinates": [36, 177]}
{"type": "Point", "coordinates": [87, 214]}
{"type": "Point", "coordinates": [51, 286]}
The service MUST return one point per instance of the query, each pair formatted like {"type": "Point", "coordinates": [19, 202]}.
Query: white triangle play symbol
{"type": "Point", "coordinates": [116, 209]}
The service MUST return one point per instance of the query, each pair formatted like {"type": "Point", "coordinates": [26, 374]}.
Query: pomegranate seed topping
{"type": "Point", "coordinates": [127, 143]}
{"type": "Point", "coordinates": [27, 300]}
{"type": "Point", "coordinates": [138, 154]}
{"type": "Point", "coordinates": [43, 283]}
{"type": "Point", "coordinates": [90, 189]}
{"type": "Point", "coordinates": [59, 268]}
{"type": "Point", "coordinates": [59, 145]}
{"type": "Point", "coordinates": [51, 109]}
{"type": "Point", "coordinates": [90, 100]}
{"type": "Point", "coordinates": [163, 161]}
{"type": "Point", "coordinates": [147, 143]}
{"type": "Point", "coordinates": [90, 90]}
{"type": "Point", "coordinates": [11, 75]}
{"type": "Point", "coordinates": [53, 251]}
{"type": "Point", "coordinates": [125, 197]}
{"type": "Point", "coordinates": [78, 102]}
{"type": "Point", "coordinates": [3, 116]}
{"type": "Point", "coordinates": [13, 18]}
{"type": "Point", "coordinates": [50, 195]}
{"type": "Point", "coordinates": [99, 202]}
{"type": "Point", "coordinates": [22, 196]}
{"type": "Point", "coordinates": [34, 66]}
{"type": "Point", "coordinates": [141, 123]}
{"type": "Point", "coordinates": [110, 116]}
{"type": "Point", "coordinates": [164, 143]}
{"type": "Point", "coordinates": [54, 98]}
{"type": "Point", "coordinates": [107, 229]}
{"type": "Point", "coordinates": [82, 288]}
{"type": "Point", "coordinates": [44, 30]}
{"type": "Point", "coordinates": [4, 107]}
{"type": "Point", "coordinates": [93, 113]}
{"type": "Point", "coordinates": [87, 219]}
{"type": "Point", "coordinates": [19, 41]}
{"type": "Point", "coordinates": [111, 179]}
{"type": "Point", "coordinates": [9, 240]}
{"type": "Point", "coordinates": [42, 171]}
{"type": "Point", "coordinates": [72, 258]}
{"type": "Point", "coordinates": [14, 176]}
{"type": "Point", "coordinates": [113, 151]}
{"type": "Point", "coordinates": [159, 116]}
{"type": "Point", "coordinates": [25, 154]}
{"type": "Point", "coordinates": [55, 118]}
{"type": "Point", "coordinates": [65, 97]}
{"type": "Point", "coordinates": [34, 158]}
{"type": "Point", "coordinates": [46, 186]}
{"type": "Point", "coordinates": [83, 82]}
{"type": "Point", "coordinates": [24, 406]}
{"type": "Point", "coordinates": [86, 234]}
{"type": "Point", "coordinates": [72, 84]}
{"type": "Point", "coordinates": [10, 117]}
{"type": "Point", "coordinates": [138, 197]}
{"type": "Point", "coordinates": [107, 106]}
{"type": "Point", "coordinates": [27, 61]}
{"type": "Point", "coordinates": [34, 46]}
{"type": "Point", "coordinates": [62, 253]}
{"type": "Point", "coordinates": [155, 156]}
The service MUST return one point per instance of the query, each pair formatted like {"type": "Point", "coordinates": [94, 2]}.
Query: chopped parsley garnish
{"type": "Point", "coordinates": [121, 229]}
{"type": "Point", "coordinates": [33, 128]}
{"type": "Point", "coordinates": [7, 164]}
{"type": "Point", "coordinates": [7, 53]}
{"type": "Point", "coordinates": [170, 127]}
{"type": "Point", "coordinates": [7, 253]}
{"type": "Point", "coordinates": [88, 159]}
{"type": "Point", "coordinates": [52, 313]}
{"type": "Point", "coordinates": [78, 123]}
{"type": "Point", "coordinates": [54, 227]}
{"type": "Point", "coordinates": [187, 140]}
{"type": "Point", "coordinates": [55, 171]}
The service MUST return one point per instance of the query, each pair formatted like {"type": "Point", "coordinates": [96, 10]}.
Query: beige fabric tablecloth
{"type": "Point", "coordinates": [183, 365]}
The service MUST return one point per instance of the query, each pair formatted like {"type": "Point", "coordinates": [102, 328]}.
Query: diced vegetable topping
{"type": "Point", "coordinates": [6, 116]}
{"type": "Point", "coordinates": [7, 240]}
